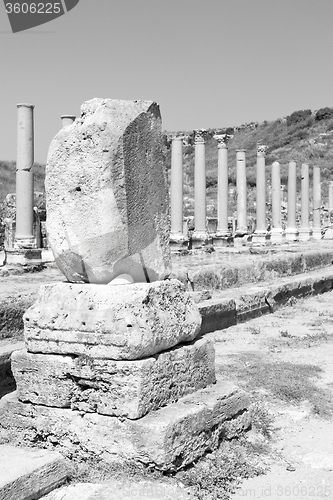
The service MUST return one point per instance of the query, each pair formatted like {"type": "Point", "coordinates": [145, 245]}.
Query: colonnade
{"type": "Point", "coordinates": [262, 235]}
{"type": "Point", "coordinates": [25, 237]}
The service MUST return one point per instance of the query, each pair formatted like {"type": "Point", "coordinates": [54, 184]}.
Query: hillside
{"type": "Point", "coordinates": [304, 136]}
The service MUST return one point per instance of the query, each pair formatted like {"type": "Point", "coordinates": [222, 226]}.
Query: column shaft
{"type": "Point", "coordinates": [176, 195]}
{"type": "Point", "coordinates": [276, 230]}
{"type": "Point", "coordinates": [199, 186]}
{"type": "Point", "coordinates": [304, 232]}
{"type": "Point", "coordinates": [316, 232]}
{"type": "Point", "coordinates": [261, 193]}
{"type": "Point", "coordinates": [222, 192]}
{"type": "Point", "coordinates": [330, 196]}
{"type": "Point", "coordinates": [24, 175]}
{"type": "Point", "coordinates": [292, 232]}
{"type": "Point", "coordinates": [241, 192]}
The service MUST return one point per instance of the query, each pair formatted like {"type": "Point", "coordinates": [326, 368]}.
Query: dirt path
{"type": "Point", "coordinates": [285, 361]}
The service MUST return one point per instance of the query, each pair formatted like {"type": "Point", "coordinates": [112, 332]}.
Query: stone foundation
{"type": "Point", "coordinates": [117, 372]}
{"type": "Point", "coordinates": [169, 438]}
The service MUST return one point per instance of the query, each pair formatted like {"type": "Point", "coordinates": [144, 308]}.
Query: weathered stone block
{"type": "Point", "coordinates": [27, 473]}
{"type": "Point", "coordinates": [114, 322]}
{"type": "Point", "coordinates": [170, 437]}
{"type": "Point", "coordinates": [120, 388]}
{"type": "Point", "coordinates": [106, 193]}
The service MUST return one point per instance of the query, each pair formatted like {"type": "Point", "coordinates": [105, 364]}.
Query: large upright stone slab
{"type": "Point", "coordinates": [106, 194]}
{"type": "Point", "coordinates": [112, 322]}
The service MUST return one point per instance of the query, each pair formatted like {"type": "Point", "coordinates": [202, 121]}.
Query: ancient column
{"type": "Point", "coordinates": [222, 234]}
{"type": "Point", "coordinates": [200, 235]}
{"type": "Point", "coordinates": [177, 239]}
{"type": "Point", "coordinates": [241, 193]}
{"type": "Point", "coordinates": [276, 229]}
{"type": "Point", "coordinates": [329, 230]}
{"type": "Point", "coordinates": [330, 197]}
{"type": "Point", "coordinates": [24, 236]}
{"type": "Point", "coordinates": [316, 226]}
{"type": "Point", "coordinates": [260, 234]}
{"type": "Point", "coordinates": [67, 120]}
{"type": "Point", "coordinates": [291, 230]}
{"type": "Point", "coordinates": [304, 230]}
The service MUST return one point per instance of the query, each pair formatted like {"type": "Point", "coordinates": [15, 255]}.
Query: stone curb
{"type": "Point", "coordinates": [237, 305]}
{"type": "Point", "coordinates": [220, 276]}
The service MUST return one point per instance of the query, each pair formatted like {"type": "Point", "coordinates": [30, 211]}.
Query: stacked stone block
{"type": "Point", "coordinates": [113, 350]}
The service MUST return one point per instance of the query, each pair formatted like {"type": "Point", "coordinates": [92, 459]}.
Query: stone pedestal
{"type": "Point", "coordinates": [200, 237]}
{"type": "Point", "coordinates": [276, 233]}
{"type": "Point", "coordinates": [260, 234]}
{"type": "Point", "coordinates": [316, 227]}
{"type": "Point", "coordinates": [178, 241]}
{"type": "Point", "coordinates": [291, 230]}
{"type": "Point", "coordinates": [23, 256]}
{"type": "Point", "coordinates": [121, 371]}
{"type": "Point", "coordinates": [241, 193]}
{"type": "Point", "coordinates": [304, 230]}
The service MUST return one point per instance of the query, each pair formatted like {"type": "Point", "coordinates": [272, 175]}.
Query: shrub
{"type": "Point", "coordinates": [211, 180]}
{"type": "Point", "coordinates": [188, 150]}
{"type": "Point", "coordinates": [301, 134]}
{"type": "Point", "coordinates": [329, 126]}
{"type": "Point", "coordinates": [324, 114]}
{"type": "Point", "coordinates": [298, 116]}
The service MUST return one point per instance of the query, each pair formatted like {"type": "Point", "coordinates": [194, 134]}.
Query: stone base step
{"type": "Point", "coordinates": [27, 473]}
{"type": "Point", "coordinates": [121, 490]}
{"type": "Point", "coordinates": [168, 438]}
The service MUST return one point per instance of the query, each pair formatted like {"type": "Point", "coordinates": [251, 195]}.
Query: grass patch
{"type": "Point", "coordinates": [97, 471]}
{"type": "Point", "coordinates": [217, 474]}
{"type": "Point", "coordinates": [292, 383]}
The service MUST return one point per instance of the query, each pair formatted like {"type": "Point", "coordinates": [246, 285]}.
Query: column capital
{"type": "Point", "coordinates": [261, 150]}
{"type": "Point", "coordinates": [24, 105]}
{"type": "Point", "coordinates": [177, 137]}
{"type": "Point", "coordinates": [222, 140]}
{"type": "Point", "coordinates": [199, 136]}
{"type": "Point", "coordinates": [70, 117]}
{"type": "Point", "coordinates": [330, 183]}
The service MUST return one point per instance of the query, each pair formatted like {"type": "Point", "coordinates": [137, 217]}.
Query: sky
{"type": "Point", "coordinates": [207, 63]}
